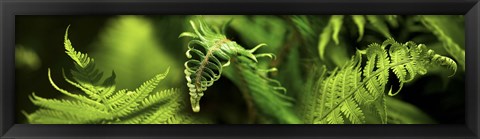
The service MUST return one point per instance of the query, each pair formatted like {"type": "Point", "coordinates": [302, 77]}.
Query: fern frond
{"type": "Point", "coordinates": [306, 105]}
{"type": "Point", "coordinates": [85, 72]}
{"type": "Point", "coordinates": [377, 61]}
{"type": "Point", "coordinates": [164, 115]}
{"type": "Point", "coordinates": [345, 90]}
{"type": "Point", "coordinates": [397, 55]}
{"type": "Point", "coordinates": [91, 113]}
{"type": "Point", "coordinates": [352, 111]}
{"type": "Point", "coordinates": [205, 67]}
{"type": "Point", "coordinates": [335, 118]}
{"type": "Point", "coordinates": [54, 117]}
{"type": "Point", "coordinates": [118, 98]}
{"type": "Point", "coordinates": [134, 98]}
{"type": "Point", "coordinates": [336, 87]}
{"type": "Point", "coordinates": [154, 114]}
{"type": "Point", "coordinates": [80, 59]}
{"type": "Point", "coordinates": [101, 104]}
{"type": "Point", "coordinates": [75, 96]}
{"type": "Point", "coordinates": [160, 97]}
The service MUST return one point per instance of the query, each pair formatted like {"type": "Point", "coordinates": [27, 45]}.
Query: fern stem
{"type": "Point", "coordinates": [204, 62]}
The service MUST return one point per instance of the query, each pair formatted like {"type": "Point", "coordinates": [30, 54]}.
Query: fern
{"type": "Point", "coordinates": [349, 92]}
{"type": "Point", "coordinates": [204, 69]}
{"type": "Point", "coordinates": [102, 103]}
{"type": "Point", "coordinates": [448, 34]}
{"type": "Point", "coordinates": [333, 72]}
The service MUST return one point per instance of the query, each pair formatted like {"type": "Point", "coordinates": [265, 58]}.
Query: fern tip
{"type": "Point", "coordinates": [195, 102]}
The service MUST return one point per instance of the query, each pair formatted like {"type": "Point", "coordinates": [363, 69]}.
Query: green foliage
{"type": "Point", "coordinates": [202, 71]}
{"type": "Point", "coordinates": [103, 104]}
{"type": "Point", "coordinates": [343, 95]}
{"type": "Point", "coordinates": [450, 34]}
{"type": "Point", "coordinates": [338, 69]}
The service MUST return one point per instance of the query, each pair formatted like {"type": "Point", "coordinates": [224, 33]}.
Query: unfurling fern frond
{"type": "Point", "coordinates": [348, 93]}
{"type": "Point", "coordinates": [262, 94]}
{"type": "Point", "coordinates": [450, 35]}
{"type": "Point", "coordinates": [204, 67]}
{"type": "Point", "coordinates": [101, 104]}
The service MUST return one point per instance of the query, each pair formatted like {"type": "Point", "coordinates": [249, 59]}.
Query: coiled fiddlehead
{"type": "Point", "coordinates": [205, 67]}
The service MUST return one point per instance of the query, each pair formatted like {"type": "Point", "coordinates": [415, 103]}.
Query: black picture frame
{"type": "Point", "coordinates": [10, 8]}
